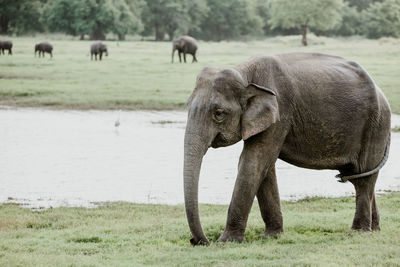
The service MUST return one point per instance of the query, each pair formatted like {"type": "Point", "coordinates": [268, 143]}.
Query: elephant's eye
{"type": "Point", "coordinates": [219, 115]}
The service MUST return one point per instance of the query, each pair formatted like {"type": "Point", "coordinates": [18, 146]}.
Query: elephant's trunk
{"type": "Point", "coordinates": [173, 52]}
{"type": "Point", "coordinates": [195, 149]}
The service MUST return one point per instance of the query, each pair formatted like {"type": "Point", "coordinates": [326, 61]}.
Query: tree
{"type": "Point", "coordinates": [196, 12]}
{"type": "Point", "coordinates": [163, 16]}
{"type": "Point", "coordinates": [125, 20]}
{"type": "Point", "coordinates": [351, 23]}
{"type": "Point", "coordinates": [382, 19]}
{"type": "Point", "coordinates": [93, 17]}
{"type": "Point", "coordinates": [19, 16]}
{"type": "Point", "coordinates": [59, 16]}
{"type": "Point", "coordinates": [230, 19]}
{"type": "Point", "coordinates": [318, 14]}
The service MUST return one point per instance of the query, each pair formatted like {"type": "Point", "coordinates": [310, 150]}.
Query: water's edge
{"type": "Point", "coordinates": [78, 158]}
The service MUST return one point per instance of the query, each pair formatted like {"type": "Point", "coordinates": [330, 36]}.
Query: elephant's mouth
{"type": "Point", "coordinates": [221, 140]}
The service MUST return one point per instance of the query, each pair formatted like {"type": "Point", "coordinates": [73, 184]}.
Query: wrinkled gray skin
{"type": "Point", "coordinates": [98, 48]}
{"type": "Point", "coordinates": [327, 114]}
{"type": "Point", "coordinates": [44, 48]}
{"type": "Point", "coordinates": [186, 45]}
{"type": "Point", "coordinates": [6, 45]}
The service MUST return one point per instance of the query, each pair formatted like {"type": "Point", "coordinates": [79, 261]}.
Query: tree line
{"type": "Point", "coordinates": [204, 19]}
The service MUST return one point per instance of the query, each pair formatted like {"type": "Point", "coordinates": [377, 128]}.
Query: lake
{"type": "Point", "coordinates": [54, 158]}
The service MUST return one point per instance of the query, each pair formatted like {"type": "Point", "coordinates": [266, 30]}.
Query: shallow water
{"type": "Point", "coordinates": [75, 158]}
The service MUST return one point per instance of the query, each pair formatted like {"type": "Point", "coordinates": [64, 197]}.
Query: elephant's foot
{"type": "Point", "coordinates": [361, 228]}
{"type": "Point", "coordinates": [232, 236]}
{"type": "Point", "coordinates": [361, 224]}
{"type": "Point", "coordinates": [375, 219]}
{"type": "Point", "coordinates": [375, 227]}
{"type": "Point", "coordinates": [273, 232]}
{"type": "Point", "coordinates": [375, 224]}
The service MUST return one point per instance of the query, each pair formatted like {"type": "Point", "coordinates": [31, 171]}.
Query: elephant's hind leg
{"type": "Point", "coordinates": [375, 216]}
{"type": "Point", "coordinates": [366, 217]}
{"type": "Point", "coordinates": [270, 206]}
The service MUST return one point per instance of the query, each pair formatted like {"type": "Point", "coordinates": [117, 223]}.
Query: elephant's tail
{"type": "Point", "coordinates": [343, 179]}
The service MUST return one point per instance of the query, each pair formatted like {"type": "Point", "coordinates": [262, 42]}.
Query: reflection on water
{"type": "Point", "coordinates": [74, 158]}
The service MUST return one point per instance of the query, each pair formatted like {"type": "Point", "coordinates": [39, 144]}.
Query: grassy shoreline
{"type": "Point", "coordinates": [126, 234]}
{"type": "Point", "coordinates": [139, 75]}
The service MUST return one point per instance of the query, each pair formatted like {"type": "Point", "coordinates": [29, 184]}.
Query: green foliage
{"type": "Point", "coordinates": [351, 23]}
{"type": "Point", "coordinates": [197, 12]}
{"type": "Point", "coordinates": [127, 19]}
{"type": "Point", "coordinates": [19, 16]}
{"type": "Point", "coordinates": [318, 14]}
{"type": "Point", "coordinates": [59, 15]}
{"type": "Point", "coordinates": [202, 19]}
{"type": "Point", "coordinates": [382, 19]}
{"type": "Point", "coordinates": [230, 19]}
{"type": "Point", "coordinates": [92, 17]}
{"type": "Point", "coordinates": [172, 17]}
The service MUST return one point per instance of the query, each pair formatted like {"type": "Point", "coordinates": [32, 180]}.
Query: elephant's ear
{"type": "Point", "coordinates": [260, 112]}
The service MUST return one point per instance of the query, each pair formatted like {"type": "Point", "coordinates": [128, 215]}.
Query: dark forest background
{"type": "Point", "coordinates": [204, 19]}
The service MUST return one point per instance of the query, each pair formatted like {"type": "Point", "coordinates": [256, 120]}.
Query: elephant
{"type": "Point", "coordinates": [311, 110]}
{"type": "Point", "coordinates": [184, 44]}
{"type": "Point", "coordinates": [98, 48]}
{"type": "Point", "coordinates": [44, 47]}
{"type": "Point", "coordinates": [6, 45]}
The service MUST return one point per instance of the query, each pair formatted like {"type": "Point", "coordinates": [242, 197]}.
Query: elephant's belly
{"type": "Point", "coordinates": [319, 155]}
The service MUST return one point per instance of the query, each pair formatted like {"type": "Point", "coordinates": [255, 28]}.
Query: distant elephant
{"type": "Point", "coordinates": [98, 48]}
{"type": "Point", "coordinates": [311, 110]}
{"type": "Point", "coordinates": [6, 45]}
{"type": "Point", "coordinates": [44, 47]}
{"type": "Point", "coordinates": [186, 45]}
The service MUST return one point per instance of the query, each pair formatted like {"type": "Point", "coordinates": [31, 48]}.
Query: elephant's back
{"type": "Point", "coordinates": [45, 46]}
{"type": "Point", "coordinates": [328, 78]}
{"type": "Point", "coordinates": [334, 102]}
{"type": "Point", "coordinates": [6, 44]}
{"type": "Point", "coordinates": [190, 41]}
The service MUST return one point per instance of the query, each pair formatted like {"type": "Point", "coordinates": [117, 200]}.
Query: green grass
{"type": "Point", "coordinates": [139, 75]}
{"type": "Point", "coordinates": [123, 234]}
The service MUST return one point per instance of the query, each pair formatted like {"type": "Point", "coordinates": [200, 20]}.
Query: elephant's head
{"type": "Point", "coordinates": [177, 44]}
{"type": "Point", "coordinates": [223, 109]}
{"type": "Point", "coordinates": [105, 50]}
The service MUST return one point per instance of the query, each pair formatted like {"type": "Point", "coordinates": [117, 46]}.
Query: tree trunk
{"type": "Point", "coordinates": [304, 35]}
{"type": "Point", "coordinates": [171, 34]}
{"type": "Point", "coordinates": [82, 36]}
{"type": "Point", "coordinates": [121, 37]}
{"type": "Point", "coordinates": [97, 34]}
{"type": "Point", "coordinates": [159, 33]}
{"type": "Point", "coordinates": [4, 27]}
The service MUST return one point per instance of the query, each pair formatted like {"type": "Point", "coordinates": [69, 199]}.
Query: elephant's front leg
{"type": "Point", "coordinates": [270, 205]}
{"type": "Point", "coordinates": [252, 165]}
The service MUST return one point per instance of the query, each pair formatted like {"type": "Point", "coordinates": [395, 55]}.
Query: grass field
{"type": "Point", "coordinates": [139, 75]}
{"type": "Point", "coordinates": [122, 234]}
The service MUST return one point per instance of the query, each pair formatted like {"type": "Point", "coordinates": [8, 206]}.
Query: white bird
{"type": "Point", "coordinates": [117, 123]}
